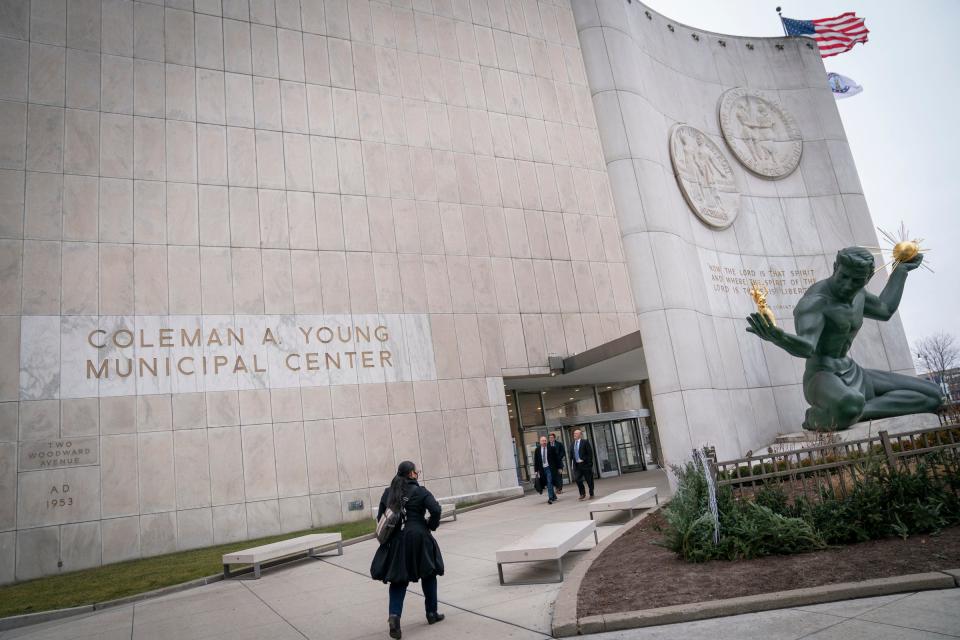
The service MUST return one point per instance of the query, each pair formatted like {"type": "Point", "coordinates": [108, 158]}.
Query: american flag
{"type": "Point", "coordinates": [833, 35]}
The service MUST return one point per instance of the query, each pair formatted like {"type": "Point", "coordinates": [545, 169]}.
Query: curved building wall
{"type": "Point", "coordinates": [432, 168]}
{"type": "Point", "coordinates": [711, 381]}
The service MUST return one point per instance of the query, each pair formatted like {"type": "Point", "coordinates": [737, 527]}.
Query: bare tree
{"type": "Point", "coordinates": [937, 354]}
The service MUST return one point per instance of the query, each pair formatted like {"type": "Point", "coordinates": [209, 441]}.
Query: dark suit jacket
{"type": "Point", "coordinates": [586, 453]}
{"type": "Point", "coordinates": [561, 452]}
{"type": "Point", "coordinates": [552, 460]}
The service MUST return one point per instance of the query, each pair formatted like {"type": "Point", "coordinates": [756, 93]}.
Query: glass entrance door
{"type": "Point", "coordinates": [629, 450]}
{"type": "Point", "coordinates": [606, 449]}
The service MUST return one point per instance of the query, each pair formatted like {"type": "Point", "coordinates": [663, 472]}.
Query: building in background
{"type": "Point", "coordinates": [949, 382]}
{"type": "Point", "coordinates": [255, 253]}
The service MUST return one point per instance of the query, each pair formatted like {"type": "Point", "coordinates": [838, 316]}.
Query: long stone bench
{"type": "Point", "coordinates": [624, 500]}
{"type": "Point", "coordinates": [447, 510]}
{"type": "Point", "coordinates": [256, 556]}
{"type": "Point", "coordinates": [549, 542]}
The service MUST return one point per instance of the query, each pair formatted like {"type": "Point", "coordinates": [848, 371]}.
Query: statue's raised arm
{"type": "Point", "coordinates": [827, 319]}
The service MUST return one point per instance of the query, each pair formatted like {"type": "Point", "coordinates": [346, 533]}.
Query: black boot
{"type": "Point", "coordinates": [394, 622]}
{"type": "Point", "coordinates": [434, 617]}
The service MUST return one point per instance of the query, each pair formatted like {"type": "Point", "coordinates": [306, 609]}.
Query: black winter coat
{"type": "Point", "coordinates": [411, 553]}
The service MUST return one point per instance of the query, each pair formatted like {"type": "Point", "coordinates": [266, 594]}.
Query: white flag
{"type": "Point", "coordinates": [842, 86]}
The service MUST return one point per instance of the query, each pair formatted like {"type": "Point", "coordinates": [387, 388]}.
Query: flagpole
{"type": "Point", "coordinates": [781, 22]}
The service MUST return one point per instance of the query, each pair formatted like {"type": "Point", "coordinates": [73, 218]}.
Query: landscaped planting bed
{"type": "Point", "coordinates": [888, 520]}
{"type": "Point", "coordinates": [647, 575]}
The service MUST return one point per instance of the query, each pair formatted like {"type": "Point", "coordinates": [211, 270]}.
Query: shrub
{"type": "Point", "coordinates": [922, 498]}
{"type": "Point", "coordinates": [754, 530]}
{"type": "Point", "coordinates": [747, 530]}
{"type": "Point", "coordinates": [774, 498]}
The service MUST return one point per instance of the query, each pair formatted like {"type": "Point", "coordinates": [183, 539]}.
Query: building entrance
{"type": "Point", "coordinates": [618, 444]}
{"type": "Point", "coordinates": [611, 417]}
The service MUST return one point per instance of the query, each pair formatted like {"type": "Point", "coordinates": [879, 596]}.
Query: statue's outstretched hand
{"type": "Point", "coordinates": [912, 264]}
{"type": "Point", "coordinates": [762, 327]}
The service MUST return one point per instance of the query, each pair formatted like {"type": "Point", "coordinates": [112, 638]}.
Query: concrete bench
{"type": "Point", "coordinates": [624, 500]}
{"type": "Point", "coordinates": [294, 546]}
{"type": "Point", "coordinates": [446, 510]}
{"type": "Point", "coordinates": [549, 542]}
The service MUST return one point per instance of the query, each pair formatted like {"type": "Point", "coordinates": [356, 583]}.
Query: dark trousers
{"type": "Point", "coordinates": [583, 472]}
{"type": "Point", "coordinates": [399, 589]}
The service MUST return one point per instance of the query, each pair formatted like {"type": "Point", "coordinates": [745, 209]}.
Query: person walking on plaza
{"type": "Point", "coordinates": [411, 553]}
{"type": "Point", "coordinates": [581, 463]}
{"type": "Point", "coordinates": [546, 464]}
{"type": "Point", "coordinates": [561, 462]}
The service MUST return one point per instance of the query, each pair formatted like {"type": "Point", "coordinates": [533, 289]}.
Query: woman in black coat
{"type": "Point", "coordinates": [411, 554]}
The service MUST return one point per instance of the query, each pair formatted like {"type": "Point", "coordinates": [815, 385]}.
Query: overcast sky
{"type": "Point", "coordinates": [903, 129]}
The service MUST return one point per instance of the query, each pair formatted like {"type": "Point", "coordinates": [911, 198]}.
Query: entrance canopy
{"type": "Point", "coordinates": [618, 360]}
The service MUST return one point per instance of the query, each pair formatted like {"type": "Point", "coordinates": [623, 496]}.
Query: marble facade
{"type": "Point", "coordinates": [489, 180]}
{"type": "Point", "coordinates": [433, 166]}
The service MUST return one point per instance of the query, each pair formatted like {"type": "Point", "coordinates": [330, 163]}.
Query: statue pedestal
{"type": "Point", "coordinates": [867, 429]}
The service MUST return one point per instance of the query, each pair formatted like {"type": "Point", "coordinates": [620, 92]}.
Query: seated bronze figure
{"type": "Point", "coordinates": [827, 318]}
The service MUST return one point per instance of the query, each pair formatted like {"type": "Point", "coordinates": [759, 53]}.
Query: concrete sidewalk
{"type": "Point", "coordinates": [928, 615]}
{"type": "Point", "coordinates": [334, 598]}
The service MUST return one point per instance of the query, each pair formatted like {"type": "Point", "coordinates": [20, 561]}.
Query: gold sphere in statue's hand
{"type": "Point", "coordinates": [906, 250]}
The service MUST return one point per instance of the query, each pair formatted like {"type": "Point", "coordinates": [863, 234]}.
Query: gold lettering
{"type": "Point", "coordinates": [98, 372]}
{"type": "Point", "coordinates": [123, 332]}
{"type": "Point", "coordinates": [350, 355]}
{"type": "Point", "coordinates": [290, 366]}
{"type": "Point", "coordinates": [381, 334]}
{"type": "Point", "coordinates": [94, 344]}
{"type": "Point", "coordinates": [144, 365]}
{"type": "Point", "coordinates": [185, 359]}
{"type": "Point", "coordinates": [190, 340]}
{"type": "Point", "coordinates": [365, 332]}
{"type": "Point", "coordinates": [129, 367]}
{"type": "Point", "coordinates": [240, 365]}
{"type": "Point", "coordinates": [366, 357]}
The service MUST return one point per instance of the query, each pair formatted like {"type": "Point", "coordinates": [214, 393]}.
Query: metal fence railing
{"type": "Point", "coordinates": [836, 464]}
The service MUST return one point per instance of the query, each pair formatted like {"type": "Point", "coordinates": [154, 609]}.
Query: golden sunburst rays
{"type": "Point", "coordinates": [902, 248]}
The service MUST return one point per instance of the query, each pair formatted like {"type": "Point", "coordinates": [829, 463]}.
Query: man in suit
{"type": "Point", "coordinates": [581, 463]}
{"type": "Point", "coordinates": [561, 458]}
{"type": "Point", "coordinates": [545, 464]}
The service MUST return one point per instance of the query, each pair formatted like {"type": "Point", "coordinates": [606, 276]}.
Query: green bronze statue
{"type": "Point", "coordinates": [827, 318]}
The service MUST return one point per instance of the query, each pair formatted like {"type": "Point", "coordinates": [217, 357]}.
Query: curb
{"type": "Point", "coordinates": [564, 622]}
{"type": "Point", "coordinates": [763, 602]}
{"type": "Point", "coordinates": [26, 619]}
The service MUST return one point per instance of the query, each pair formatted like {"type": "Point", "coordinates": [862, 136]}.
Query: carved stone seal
{"type": "Point", "coordinates": [761, 134]}
{"type": "Point", "coordinates": [705, 176]}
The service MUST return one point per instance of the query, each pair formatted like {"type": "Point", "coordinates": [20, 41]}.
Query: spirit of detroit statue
{"type": "Point", "coordinates": [827, 319]}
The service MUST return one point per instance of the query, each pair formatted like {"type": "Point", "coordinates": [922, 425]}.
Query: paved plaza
{"type": "Point", "coordinates": [334, 599]}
